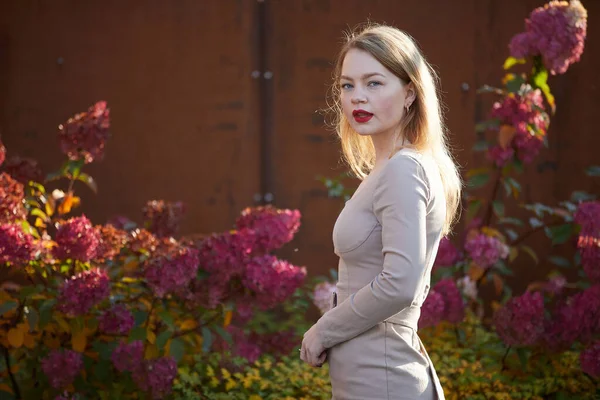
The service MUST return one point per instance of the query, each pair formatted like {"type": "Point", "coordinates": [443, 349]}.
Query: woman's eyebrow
{"type": "Point", "coordinates": [365, 76]}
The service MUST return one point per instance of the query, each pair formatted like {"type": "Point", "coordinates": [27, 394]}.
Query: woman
{"type": "Point", "coordinates": [387, 235]}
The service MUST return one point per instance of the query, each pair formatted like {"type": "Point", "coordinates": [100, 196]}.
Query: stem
{"type": "Point", "coordinates": [504, 358]}
{"type": "Point", "coordinates": [487, 219]}
{"type": "Point", "coordinates": [10, 374]}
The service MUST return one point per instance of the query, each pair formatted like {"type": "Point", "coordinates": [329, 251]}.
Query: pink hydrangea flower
{"type": "Point", "coordinates": [112, 240]}
{"type": "Point", "coordinates": [590, 360]}
{"type": "Point", "coordinates": [163, 218]}
{"type": "Point", "coordinates": [83, 291]}
{"type": "Point", "coordinates": [16, 247]}
{"type": "Point", "coordinates": [273, 227]}
{"type": "Point", "coordinates": [128, 356]}
{"type": "Point", "coordinates": [322, 295]}
{"type": "Point", "coordinates": [454, 307]}
{"type": "Point", "coordinates": [500, 156]}
{"type": "Point", "coordinates": [156, 376]}
{"type": "Point", "coordinates": [447, 254]}
{"type": "Point", "coordinates": [11, 199]}
{"type": "Point", "coordinates": [243, 310]}
{"type": "Point", "coordinates": [61, 367]}
{"type": "Point", "coordinates": [84, 135]}
{"type": "Point", "coordinates": [588, 216]}
{"type": "Point", "coordinates": [468, 287]}
{"type": "Point", "coordinates": [226, 254]}
{"type": "Point", "coordinates": [23, 169]}
{"type": "Point", "coordinates": [117, 320]}
{"type": "Point", "coordinates": [486, 250]}
{"type": "Point", "coordinates": [272, 280]}
{"type": "Point", "coordinates": [432, 310]}
{"type": "Point", "coordinates": [142, 242]}
{"type": "Point", "coordinates": [77, 239]}
{"type": "Point", "coordinates": [520, 322]}
{"type": "Point", "coordinates": [171, 269]}
{"type": "Point", "coordinates": [2, 153]}
{"type": "Point", "coordinates": [557, 32]}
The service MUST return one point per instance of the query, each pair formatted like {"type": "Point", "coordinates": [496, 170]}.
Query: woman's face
{"type": "Point", "coordinates": [372, 97]}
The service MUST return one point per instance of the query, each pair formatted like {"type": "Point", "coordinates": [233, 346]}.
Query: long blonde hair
{"type": "Point", "coordinates": [422, 125]}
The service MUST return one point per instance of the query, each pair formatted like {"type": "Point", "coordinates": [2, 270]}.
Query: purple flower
{"type": "Point", "coordinates": [447, 254]}
{"type": "Point", "coordinates": [2, 153]}
{"type": "Point", "coordinates": [163, 218]}
{"type": "Point", "coordinates": [16, 247]}
{"type": "Point", "coordinates": [226, 254]}
{"type": "Point", "coordinates": [77, 239]}
{"type": "Point", "coordinates": [128, 356]}
{"type": "Point", "coordinates": [23, 169]}
{"type": "Point", "coordinates": [454, 307]}
{"type": "Point", "coordinates": [520, 322]}
{"type": "Point", "coordinates": [557, 32]}
{"type": "Point", "coordinates": [11, 200]}
{"type": "Point", "coordinates": [112, 240]}
{"type": "Point", "coordinates": [500, 156]}
{"type": "Point", "coordinates": [272, 280]}
{"type": "Point", "coordinates": [432, 310]}
{"type": "Point", "coordinates": [486, 250]}
{"type": "Point", "coordinates": [61, 367]}
{"type": "Point", "coordinates": [322, 296]}
{"type": "Point", "coordinates": [118, 320]}
{"type": "Point", "coordinates": [156, 376]}
{"type": "Point", "coordinates": [83, 291]}
{"type": "Point", "coordinates": [84, 135]}
{"type": "Point", "coordinates": [171, 268]}
{"type": "Point", "coordinates": [590, 360]}
{"type": "Point", "coordinates": [273, 227]}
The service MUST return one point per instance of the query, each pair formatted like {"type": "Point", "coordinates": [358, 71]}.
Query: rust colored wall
{"type": "Point", "coordinates": [186, 110]}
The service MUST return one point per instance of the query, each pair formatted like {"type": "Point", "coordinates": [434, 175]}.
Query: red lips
{"type": "Point", "coordinates": [361, 116]}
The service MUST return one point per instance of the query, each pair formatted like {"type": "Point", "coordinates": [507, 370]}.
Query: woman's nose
{"type": "Point", "coordinates": [358, 98]}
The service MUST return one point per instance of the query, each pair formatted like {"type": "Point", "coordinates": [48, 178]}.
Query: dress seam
{"type": "Point", "coordinates": [387, 385]}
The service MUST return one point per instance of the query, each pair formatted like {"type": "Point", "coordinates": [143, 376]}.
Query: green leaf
{"type": "Point", "coordinates": [46, 312]}
{"type": "Point", "coordinates": [481, 145]}
{"type": "Point", "coordinates": [74, 167]}
{"type": "Point", "coordinates": [102, 370]}
{"type": "Point", "coordinates": [510, 220]}
{"type": "Point", "coordinates": [560, 261]}
{"type": "Point", "coordinates": [523, 356]}
{"type": "Point", "coordinates": [514, 85]}
{"type": "Point", "coordinates": [162, 338]}
{"type": "Point", "coordinates": [534, 222]}
{"type": "Point", "coordinates": [8, 306]}
{"type": "Point", "coordinates": [138, 333]}
{"type": "Point", "coordinates": [33, 318]}
{"type": "Point", "coordinates": [498, 207]}
{"type": "Point", "coordinates": [579, 196]}
{"type": "Point", "coordinates": [594, 170]}
{"type": "Point", "coordinates": [478, 180]}
{"type": "Point", "coordinates": [473, 209]}
{"type": "Point", "coordinates": [224, 334]}
{"type": "Point", "coordinates": [206, 340]}
{"type": "Point", "coordinates": [503, 269]}
{"type": "Point", "coordinates": [487, 125]}
{"type": "Point", "coordinates": [512, 61]}
{"type": "Point", "coordinates": [89, 181]}
{"type": "Point", "coordinates": [511, 234]}
{"type": "Point", "coordinates": [36, 212]}
{"type": "Point", "coordinates": [560, 234]}
{"type": "Point", "coordinates": [167, 318]}
{"type": "Point", "coordinates": [530, 251]}
{"type": "Point", "coordinates": [140, 317]}
{"type": "Point", "coordinates": [540, 80]}
{"type": "Point", "coordinates": [177, 349]}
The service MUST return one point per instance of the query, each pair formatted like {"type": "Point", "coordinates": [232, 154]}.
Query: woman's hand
{"type": "Point", "coordinates": [312, 351]}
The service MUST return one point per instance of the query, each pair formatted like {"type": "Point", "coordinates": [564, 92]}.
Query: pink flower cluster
{"type": "Point", "coordinates": [447, 254]}
{"type": "Point", "coordinates": [16, 247]}
{"type": "Point", "coordinates": [11, 200]}
{"type": "Point", "coordinates": [23, 169]}
{"type": "Point", "coordinates": [272, 280]}
{"type": "Point", "coordinates": [128, 356]}
{"type": "Point", "coordinates": [525, 112]}
{"type": "Point", "coordinates": [84, 135]}
{"type": "Point", "coordinates": [226, 254]}
{"type": "Point", "coordinates": [444, 302]}
{"type": "Point", "coordinates": [322, 296]}
{"type": "Point", "coordinates": [112, 240]}
{"type": "Point", "coordinates": [171, 268]}
{"type": "Point", "coordinates": [163, 218]}
{"type": "Point", "coordinates": [557, 32]}
{"type": "Point", "coordinates": [2, 153]}
{"type": "Point", "coordinates": [142, 242]}
{"type": "Point", "coordinates": [156, 376]}
{"type": "Point", "coordinates": [118, 320]}
{"type": "Point", "coordinates": [77, 239]}
{"type": "Point", "coordinates": [486, 250]}
{"type": "Point", "coordinates": [520, 322]}
{"type": "Point", "coordinates": [588, 216]}
{"type": "Point", "coordinates": [66, 396]}
{"type": "Point", "coordinates": [83, 291]}
{"type": "Point", "coordinates": [577, 319]}
{"type": "Point", "coordinates": [590, 360]}
{"type": "Point", "coordinates": [61, 367]}
{"type": "Point", "coordinates": [272, 227]}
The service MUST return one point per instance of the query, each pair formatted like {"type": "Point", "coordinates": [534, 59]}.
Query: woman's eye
{"type": "Point", "coordinates": [374, 83]}
{"type": "Point", "coordinates": [345, 86]}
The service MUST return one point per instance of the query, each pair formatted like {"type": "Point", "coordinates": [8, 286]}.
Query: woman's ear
{"type": "Point", "coordinates": [411, 93]}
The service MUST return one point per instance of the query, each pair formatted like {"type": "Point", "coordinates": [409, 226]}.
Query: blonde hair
{"type": "Point", "coordinates": [422, 125]}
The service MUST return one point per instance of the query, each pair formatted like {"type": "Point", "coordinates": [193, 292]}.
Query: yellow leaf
{"type": "Point", "coordinates": [228, 316]}
{"type": "Point", "coordinates": [5, 388]}
{"type": "Point", "coordinates": [188, 324]}
{"type": "Point", "coordinates": [507, 132]}
{"type": "Point", "coordinates": [151, 336]}
{"type": "Point", "coordinates": [51, 342]}
{"type": "Point", "coordinates": [29, 341]}
{"type": "Point", "coordinates": [15, 337]}
{"type": "Point", "coordinates": [62, 323]}
{"type": "Point", "coordinates": [66, 204]}
{"type": "Point", "coordinates": [476, 272]}
{"type": "Point", "coordinates": [39, 223]}
{"type": "Point", "coordinates": [498, 283]}
{"type": "Point", "coordinates": [79, 341]}
{"type": "Point", "coordinates": [151, 352]}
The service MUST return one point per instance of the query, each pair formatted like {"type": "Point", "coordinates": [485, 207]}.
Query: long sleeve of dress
{"type": "Point", "coordinates": [400, 201]}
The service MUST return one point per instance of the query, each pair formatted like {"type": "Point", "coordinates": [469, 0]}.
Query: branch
{"type": "Point", "coordinates": [10, 374]}
{"type": "Point", "coordinates": [487, 219]}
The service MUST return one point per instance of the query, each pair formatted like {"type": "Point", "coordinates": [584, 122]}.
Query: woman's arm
{"type": "Point", "coordinates": [400, 204]}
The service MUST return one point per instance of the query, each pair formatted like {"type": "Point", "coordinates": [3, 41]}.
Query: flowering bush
{"type": "Point", "coordinates": [114, 310]}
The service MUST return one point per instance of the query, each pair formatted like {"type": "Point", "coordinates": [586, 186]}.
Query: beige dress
{"type": "Point", "coordinates": [387, 238]}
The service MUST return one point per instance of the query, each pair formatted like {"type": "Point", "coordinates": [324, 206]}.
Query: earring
{"type": "Point", "coordinates": [407, 107]}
